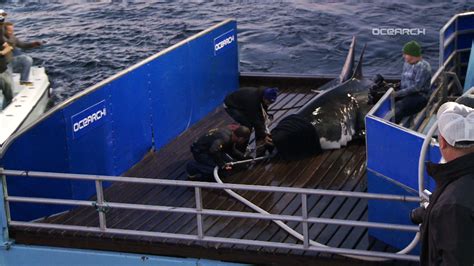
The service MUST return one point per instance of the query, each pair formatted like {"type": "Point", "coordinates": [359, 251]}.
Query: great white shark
{"type": "Point", "coordinates": [332, 118]}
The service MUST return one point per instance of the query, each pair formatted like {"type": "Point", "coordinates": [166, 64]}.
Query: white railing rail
{"type": "Point", "coordinates": [101, 205]}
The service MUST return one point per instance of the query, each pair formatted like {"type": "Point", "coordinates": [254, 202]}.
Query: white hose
{"type": "Point", "coordinates": [297, 235]}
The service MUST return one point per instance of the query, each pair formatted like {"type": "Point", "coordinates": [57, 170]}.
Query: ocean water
{"type": "Point", "coordinates": [88, 41]}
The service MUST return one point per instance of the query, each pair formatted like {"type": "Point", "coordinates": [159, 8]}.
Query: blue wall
{"type": "Point", "coordinates": [111, 128]}
{"type": "Point", "coordinates": [392, 168]}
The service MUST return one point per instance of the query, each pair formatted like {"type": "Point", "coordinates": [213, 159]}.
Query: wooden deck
{"type": "Point", "coordinates": [342, 169]}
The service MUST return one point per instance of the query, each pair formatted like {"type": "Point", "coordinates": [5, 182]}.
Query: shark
{"type": "Point", "coordinates": [332, 118]}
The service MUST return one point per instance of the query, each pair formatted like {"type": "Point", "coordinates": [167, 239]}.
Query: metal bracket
{"type": "Point", "coordinates": [7, 245]}
{"type": "Point", "coordinates": [104, 208]}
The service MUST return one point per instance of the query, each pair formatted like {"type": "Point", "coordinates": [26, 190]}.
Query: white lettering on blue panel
{"type": "Point", "coordinates": [224, 41]}
{"type": "Point", "coordinates": [88, 119]}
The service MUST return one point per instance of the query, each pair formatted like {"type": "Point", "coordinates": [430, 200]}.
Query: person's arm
{"type": "Point", "coordinates": [26, 45]}
{"type": "Point", "coordinates": [6, 48]}
{"type": "Point", "coordinates": [422, 76]}
{"type": "Point", "coordinates": [454, 234]}
{"type": "Point", "coordinates": [217, 153]}
{"type": "Point", "coordinates": [238, 155]}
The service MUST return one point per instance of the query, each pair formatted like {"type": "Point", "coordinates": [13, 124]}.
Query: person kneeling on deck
{"type": "Point", "coordinates": [415, 85]}
{"type": "Point", "coordinates": [17, 60]}
{"type": "Point", "coordinates": [447, 232]}
{"type": "Point", "coordinates": [249, 107]}
{"type": "Point", "coordinates": [216, 147]}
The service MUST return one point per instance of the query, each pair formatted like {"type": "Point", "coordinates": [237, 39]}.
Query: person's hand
{"type": "Point", "coordinates": [6, 48]}
{"type": "Point", "coordinates": [268, 140]}
{"type": "Point", "coordinates": [36, 44]}
{"type": "Point", "coordinates": [227, 167]}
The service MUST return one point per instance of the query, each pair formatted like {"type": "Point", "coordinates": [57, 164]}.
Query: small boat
{"type": "Point", "coordinates": [28, 104]}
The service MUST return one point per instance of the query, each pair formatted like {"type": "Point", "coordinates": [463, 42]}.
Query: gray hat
{"type": "Point", "coordinates": [456, 124]}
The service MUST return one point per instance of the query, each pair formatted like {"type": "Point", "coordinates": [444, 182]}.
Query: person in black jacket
{"type": "Point", "coordinates": [216, 147]}
{"type": "Point", "coordinates": [249, 107]}
{"type": "Point", "coordinates": [448, 223]}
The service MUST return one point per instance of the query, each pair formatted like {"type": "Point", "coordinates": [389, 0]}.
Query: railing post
{"type": "Point", "coordinates": [4, 209]}
{"type": "Point", "coordinates": [198, 197]}
{"type": "Point", "coordinates": [304, 214]}
{"type": "Point", "coordinates": [101, 208]}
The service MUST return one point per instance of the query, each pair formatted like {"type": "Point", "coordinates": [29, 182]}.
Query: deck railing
{"type": "Point", "coordinates": [102, 206]}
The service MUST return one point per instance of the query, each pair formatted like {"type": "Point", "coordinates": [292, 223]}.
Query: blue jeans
{"type": "Point", "coordinates": [22, 64]}
{"type": "Point", "coordinates": [6, 87]}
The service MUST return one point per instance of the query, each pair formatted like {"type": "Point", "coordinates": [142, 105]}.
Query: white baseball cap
{"type": "Point", "coordinates": [3, 14]}
{"type": "Point", "coordinates": [456, 124]}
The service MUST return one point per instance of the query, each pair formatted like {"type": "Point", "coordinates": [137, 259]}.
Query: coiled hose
{"type": "Point", "coordinates": [297, 235]}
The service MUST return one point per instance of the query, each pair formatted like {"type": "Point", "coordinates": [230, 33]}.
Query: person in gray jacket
{"type": "Point", "coordinates": [18, 60]}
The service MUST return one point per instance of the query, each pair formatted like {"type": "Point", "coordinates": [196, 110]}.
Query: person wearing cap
{"type": "Point", "coordinates": [249, 107]}
{"type": "Point", "coordinates": [415, 84]}
{"type": "Point", "coordinates": [448, 223]}
{"type": "Point", "coordinates": [17, 60]}
{"type": "Point", "coordinates": [217, 147]}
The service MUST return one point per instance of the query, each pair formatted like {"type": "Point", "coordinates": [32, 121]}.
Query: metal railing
{"type": "Point", "coordinates": [102, 206]}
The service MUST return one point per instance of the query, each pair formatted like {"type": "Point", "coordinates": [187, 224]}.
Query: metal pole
{"type": "Point", "coordinates": [304, 214]}
{"type": "Point", "coordinates": [197, 191]}
{"type": "Point", "coordinates": [5, 218]}
{"type": "Point", "coordinates": [100, 204]}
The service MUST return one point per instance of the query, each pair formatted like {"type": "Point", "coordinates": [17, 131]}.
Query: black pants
{"type": "Point", "coordinates": [409, 105]}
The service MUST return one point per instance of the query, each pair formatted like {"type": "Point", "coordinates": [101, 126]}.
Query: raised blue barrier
{"type": "Point", "coordinates": [111, 126]}
{"type": "Point", "coordinates": [392, 168]}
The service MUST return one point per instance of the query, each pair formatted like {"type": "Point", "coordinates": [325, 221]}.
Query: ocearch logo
{"type": "Point", "coordinates": [88, 118]}
{"type": "Point", "coordinates": [223, 41]}
{"type": "Point", "coordinates": [398, 31]}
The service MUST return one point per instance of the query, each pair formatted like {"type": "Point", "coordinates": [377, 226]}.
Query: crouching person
{"type": "Point", "coordinates": [216, 148]}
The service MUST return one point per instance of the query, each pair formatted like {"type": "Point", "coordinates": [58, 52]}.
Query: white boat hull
{"type": "Point", "coordinates": [28, 104]}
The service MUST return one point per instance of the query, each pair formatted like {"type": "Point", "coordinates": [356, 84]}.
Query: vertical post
{"type": "Point", "coordinates": [100, 204]}
{"type": "Point", "coordinates": [304, 214]}
{"type": "Point", "coordinates": [4, 209]}
{"type": "Point", "coordinates": [198, 197]}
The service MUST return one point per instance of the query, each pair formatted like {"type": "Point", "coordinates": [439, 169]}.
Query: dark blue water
{"type": "Point", "coordinates": [88, 41]}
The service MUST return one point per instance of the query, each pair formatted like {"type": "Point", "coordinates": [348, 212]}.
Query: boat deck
{"type": "Point", "coordinates": [342, 169]}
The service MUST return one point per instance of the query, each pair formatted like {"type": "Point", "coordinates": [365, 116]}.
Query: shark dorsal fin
{"type": "Point", "coordinates": [347, 69]}
{"type": "Point", "coordinates": [358, 70]}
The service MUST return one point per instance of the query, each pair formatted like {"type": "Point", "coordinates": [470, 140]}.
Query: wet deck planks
{"type": "Point", "coordinates": [342, 169]}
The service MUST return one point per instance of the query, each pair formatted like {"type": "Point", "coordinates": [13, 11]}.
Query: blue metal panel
{"type": "Point", "coordinates": [450, 30]}
{"type": "Point", "coordinates": [466, 23]}
{"type": "Point", "coordinates": [465, 41]}
{"type": "Point", "coordinates": [392, 162]}
{"type": "Point", "coordinates": [385, 211]}
{"type": "Point", "coordinates": [469, 81]}
{"type": "Point", "coordinates": [36, 255]}
{"type": "Point", "coordinates": [131, 119]}
{"type": "Point", "coordinates": [191, 81]}
{"type": "Point", "coordinates": [384, 108]}
{"type": "Point", "coordinates": [89, 152]}
{"type": "Point", "coordinates": [42, 148]}
{"type": "Point", "coordinates": [109, 130]}
{"type": "Point", "coordinates": [389, 148]}
{"type": "Point", "coordinates": [448, 51]}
